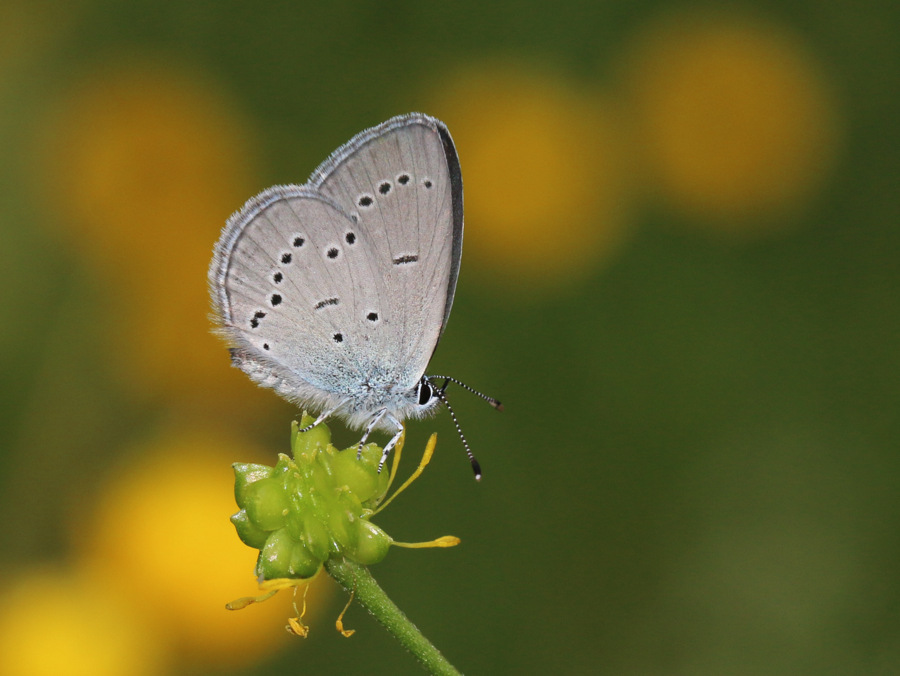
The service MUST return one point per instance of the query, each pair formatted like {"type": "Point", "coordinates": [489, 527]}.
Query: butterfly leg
{"type": "Point", "coordinates": [393, 442]}
{"type": "Point", "coordinates": [323, 416]}
{"type": "Point", "coordinates": [378, 416]}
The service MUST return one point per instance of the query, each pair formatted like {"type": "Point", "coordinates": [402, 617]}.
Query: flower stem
{"type": "Point", "coordinates": [356, 578]}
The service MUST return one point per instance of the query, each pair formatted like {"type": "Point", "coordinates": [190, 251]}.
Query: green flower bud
{"type": "Point", "coordinates": [311, 507]}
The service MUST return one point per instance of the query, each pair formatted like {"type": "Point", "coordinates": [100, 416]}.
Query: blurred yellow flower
{"type": "Point", "coordinates": [140, 165]}
{"type": "Point", "coordinates": [542, 171]}
{"type": "Point", "coordinates": [732, 115]}
{"type": "Point", "coordinates": [56, 622]}
{"type": "Point", "coordinates": [162, 535]}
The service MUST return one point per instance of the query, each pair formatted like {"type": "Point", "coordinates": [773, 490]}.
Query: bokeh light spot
{"type": "Point", "coordinates": [138, 168]}
{"type": "Point", "coordinates": [162, 534]}
{"type": "Point", "coordinates": [56, 622]}
{"type": "Point", "coordinates": [542, 174]}
{"type": "Point", "coordinates": [733, 116]}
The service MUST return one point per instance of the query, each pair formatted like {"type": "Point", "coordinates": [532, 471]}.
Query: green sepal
{"type": "Point", "coordinates": [361, 475]}
{"type": "Point", "coordinates": [282, 556]}
{"type": "Point", "coordinates": [317, 538]}
{"type": "Point", "coordinates": [372, 543]}
{"type": "Point", "coordinates": [247, 531]}
{"type": "Point", "coordinates": [307, 442]}
{"type": "Point", "coordinates": [266, 503]}
{"type": "Point", "coordinates": [339, 525]}
{"type": "Point", "coordinates": [245, 474]}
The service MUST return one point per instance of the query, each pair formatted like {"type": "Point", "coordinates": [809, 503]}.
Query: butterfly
{"type": "Point", "coordinates": [335, 293]}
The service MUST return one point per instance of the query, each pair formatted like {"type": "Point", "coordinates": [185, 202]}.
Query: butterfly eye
{"type": "Point", "coordinates": [425, 393]}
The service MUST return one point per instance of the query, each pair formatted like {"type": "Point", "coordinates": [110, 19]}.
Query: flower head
{"type": "Point", "coordinates": [317, 505]}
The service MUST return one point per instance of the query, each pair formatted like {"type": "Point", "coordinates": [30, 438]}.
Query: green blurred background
{"type": "Point", "coordinates": [680, 277]}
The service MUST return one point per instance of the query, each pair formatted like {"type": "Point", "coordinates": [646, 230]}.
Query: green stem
{"type": "Point", "coordinates": [356, 578]}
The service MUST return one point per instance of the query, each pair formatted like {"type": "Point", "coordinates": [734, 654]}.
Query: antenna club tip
{"type": "Point", "coordinates": [476, 468]}
{"type": "Point", "coordinates": [498, 406]}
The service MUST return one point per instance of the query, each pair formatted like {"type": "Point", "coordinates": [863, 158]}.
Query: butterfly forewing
{"type": "Point", "coordinates": [401, 181]}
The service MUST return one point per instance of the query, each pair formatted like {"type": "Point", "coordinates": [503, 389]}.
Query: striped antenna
{"type": "Point", "coordinates": [475, 466]}
{"type": "Point", "coordinates": [447, 379]}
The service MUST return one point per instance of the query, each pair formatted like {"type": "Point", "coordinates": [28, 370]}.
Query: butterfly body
{"type": "Point", "coordinates": [335, 293]}
{"type": "Point", "coordinates": [356, 399]}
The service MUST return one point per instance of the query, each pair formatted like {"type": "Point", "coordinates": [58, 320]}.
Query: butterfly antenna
{"type": "Point", "coordinates": [447, 380]}
{"type": "Point", "coordinates": [475, 466]}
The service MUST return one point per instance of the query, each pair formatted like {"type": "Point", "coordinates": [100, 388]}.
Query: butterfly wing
{"type": "Point", "coordinates": [287, 286]}
{"type": "Point", "coordinates": [401, 180]}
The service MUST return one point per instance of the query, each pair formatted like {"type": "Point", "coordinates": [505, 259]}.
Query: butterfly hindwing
{"type": "Point", "coordinates": [291, 286]}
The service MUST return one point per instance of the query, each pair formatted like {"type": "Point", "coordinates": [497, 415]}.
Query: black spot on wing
{"type": "Point", "coordinates": [325, 303]}
{"type": "Point", "coordinates": [405, 260]}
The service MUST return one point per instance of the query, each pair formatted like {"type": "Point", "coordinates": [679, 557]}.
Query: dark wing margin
{"type": "Point", "coordinates": [456, 188]}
